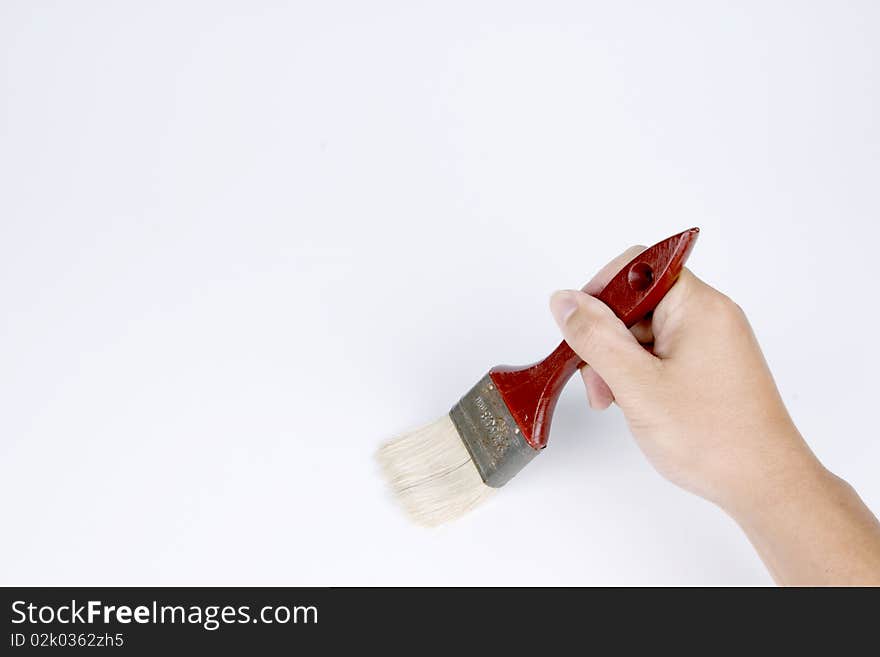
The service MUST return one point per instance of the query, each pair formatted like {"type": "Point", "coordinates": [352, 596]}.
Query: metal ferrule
{"type": "Point", "coordinates": [491, 435]}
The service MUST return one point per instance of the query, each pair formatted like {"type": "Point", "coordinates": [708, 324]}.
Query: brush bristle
{"type": "Point", "coordinates": [432, 473]}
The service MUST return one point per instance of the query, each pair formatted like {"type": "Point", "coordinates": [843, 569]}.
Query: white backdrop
{"type": "Point", "coordinates": [241, 243]}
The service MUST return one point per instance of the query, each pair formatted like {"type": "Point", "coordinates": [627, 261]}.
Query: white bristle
{"type": "Point", "coordinates": [432, 474]}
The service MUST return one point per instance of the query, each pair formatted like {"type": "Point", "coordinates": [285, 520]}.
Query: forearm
{"type": "Point", "coordinates": [811, 528]}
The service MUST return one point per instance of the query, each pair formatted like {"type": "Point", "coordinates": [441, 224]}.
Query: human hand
{"type": "Point", "coordinates": [703, 407]}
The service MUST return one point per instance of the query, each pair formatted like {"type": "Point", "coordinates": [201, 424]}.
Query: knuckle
{"type": "Point", "coordinates": [728, 309]}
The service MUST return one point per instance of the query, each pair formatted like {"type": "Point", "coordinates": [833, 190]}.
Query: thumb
{"type": "Point", "coordinates": [595, 334]}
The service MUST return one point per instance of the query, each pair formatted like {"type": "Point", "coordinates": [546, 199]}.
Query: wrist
{"type": "Point", "coordinates": [810, 527]}
{"type": "Point", "coordinates": [786, 475]}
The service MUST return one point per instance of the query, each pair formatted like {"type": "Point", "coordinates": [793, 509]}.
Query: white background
{"type": "Point", "coordinates": [241, 243]}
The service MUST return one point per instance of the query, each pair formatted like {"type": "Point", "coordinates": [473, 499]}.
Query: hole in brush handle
{"type": "Point", "coordinates": [640, 276]}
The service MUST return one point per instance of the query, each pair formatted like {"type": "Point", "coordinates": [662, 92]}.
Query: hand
{"type": "Point", "coordinates": [702, 404]}
{"type": "Point", "coordinates": [703, 408]}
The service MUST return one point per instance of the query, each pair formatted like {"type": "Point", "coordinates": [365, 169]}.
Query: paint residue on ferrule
{"type": "Point", "coordinates": [491, 435]}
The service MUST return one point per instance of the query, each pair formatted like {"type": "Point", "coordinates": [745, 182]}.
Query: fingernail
{"type": "Point", "coordinates": [563, 304]}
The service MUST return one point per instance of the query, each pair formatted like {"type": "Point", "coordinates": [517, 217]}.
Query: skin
{"type": "Point", "coordinates": [703, 407]}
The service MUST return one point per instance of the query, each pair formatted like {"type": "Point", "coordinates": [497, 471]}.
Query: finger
{"type": "Point", "coordinates": [598, 392]}
{"type": "Point", "coordinates": [598, 336]}
{"type": "Point", "coordinates": [669, 315]}
{"type": "Point", "coordinates": [604, 275]}
{"type": "Point", "coordinates": [643, 331]}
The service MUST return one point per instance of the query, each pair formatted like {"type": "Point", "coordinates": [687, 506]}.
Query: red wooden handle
{"type": "Point", "coordinates": [530, 392]}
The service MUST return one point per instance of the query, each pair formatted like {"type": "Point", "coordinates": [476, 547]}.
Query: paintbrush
{"type": "Point", "coordinates": [442, 470]}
